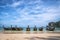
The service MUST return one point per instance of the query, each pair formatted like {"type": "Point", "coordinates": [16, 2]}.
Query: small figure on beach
{"type": "Point", "coordinates": [17, 28]}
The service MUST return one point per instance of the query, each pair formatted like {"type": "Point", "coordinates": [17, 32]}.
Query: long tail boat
{"type": "Point", "coordinates": [19, 29]}
{"type": "Point", "coordinates": [6, 28]}
{"type": "Point", "coordinates": [49, 28]}
{"type": "Point", "coordinates": [41, 29]}
{"type": "Point", "coordinates": [13, 28]}
{"type": "Point", "coordinates": [35, 28]}
{"type": "Point", "coordinates": [28, 28]}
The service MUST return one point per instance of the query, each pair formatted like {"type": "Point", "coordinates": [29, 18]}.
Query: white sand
{"type": "Point", "coordinates": [30, 36]}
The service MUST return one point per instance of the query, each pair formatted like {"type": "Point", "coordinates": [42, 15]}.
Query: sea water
{"type": "Point", "coordinates": [1, 29]}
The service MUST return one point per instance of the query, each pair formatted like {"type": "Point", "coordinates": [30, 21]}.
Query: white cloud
{"type": "Point", "coordinates": [45, 14]}
{"type": "Point", "coordinates": [50, 15]}
{"type": "Point", "coordinates": [16, 4]}
{"type": "Point", "coordinates": [4, 15]}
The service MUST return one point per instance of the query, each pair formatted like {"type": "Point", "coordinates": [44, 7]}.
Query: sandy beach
{"type": "Point", "coordinates": [30, 36]}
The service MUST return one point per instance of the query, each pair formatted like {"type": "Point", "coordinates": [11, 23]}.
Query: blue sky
{"type": "Point", "coordinates": [29, 12]}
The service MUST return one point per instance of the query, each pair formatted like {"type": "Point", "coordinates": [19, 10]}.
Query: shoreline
{"type": "Point", "coordinates": [27, 32]}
